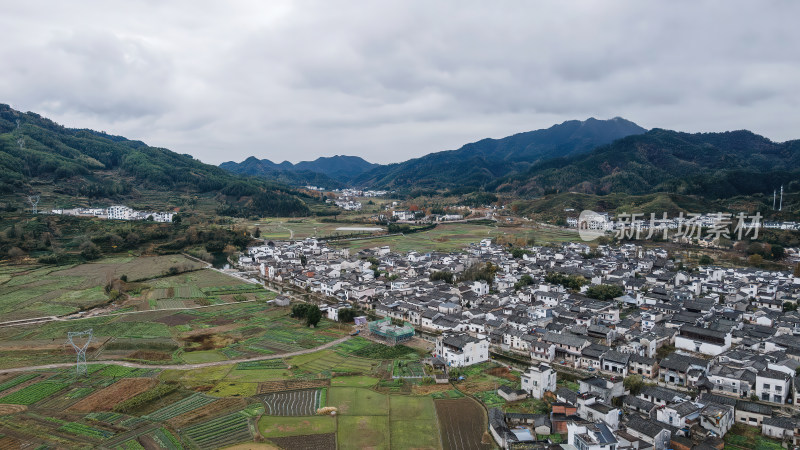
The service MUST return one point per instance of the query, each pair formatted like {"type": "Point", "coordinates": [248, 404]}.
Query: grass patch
{"type": "Point", "coordinates": [359, 432]}
{"type": "Point", "coordinates": [202, 356]}
{"type": "Point", "coordinates": [282, 426]}
{"type": "Point", "coordinates": [352, 401]}
{"type": "Point", "coordinates": [354, 381]}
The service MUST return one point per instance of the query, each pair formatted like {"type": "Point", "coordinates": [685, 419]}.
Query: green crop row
{"type": "Point", "coordinates": [85, 430]}
{"type": "Point", "coordinates": [145, 397]}
{"type": "Point", "coordinates": [166, 440]}
{"type": "Point", "coordinates": [266, 364]}
{"type": "Point", "coordinates": [16, 381]}
{"type": "Point", "coordinates": [33, 393]}
{"type": "Point", "coordinates": [222, 431]}
{"type": "Point", "coordinates": [187, 404]}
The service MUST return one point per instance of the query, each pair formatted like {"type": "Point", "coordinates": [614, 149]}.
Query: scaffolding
{"type": "Point", "coordinates": [384, 330]}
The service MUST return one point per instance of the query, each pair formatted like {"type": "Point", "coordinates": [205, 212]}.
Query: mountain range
{"type": "Point", "coordinates": [710, 165]}
{"type": "Point", "coordinates": [476, 164]}
{"type": "Point", "coordinates": [591, 157]}
{"type": "Point", "coordinates": [465, 169]}
{"type": "Point", "coordinates": [596, 157]}
{"type": "Point", "coordinates": [330, 172]}
{"type": "Point", "coordinates": [39, 154]}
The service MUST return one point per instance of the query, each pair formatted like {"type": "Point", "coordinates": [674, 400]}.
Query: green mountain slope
{"type": "Point", "coordinates": [35, 151]}
{"type": "Point", "coordinates": [480, 163]}
{"type": "Point", "coordinates": [712, 165]}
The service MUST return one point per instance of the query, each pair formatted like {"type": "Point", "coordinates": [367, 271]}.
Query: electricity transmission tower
{"type": "Point", "coordinates": [34, 201]}
{"type": "Point", "coordinates": [80, 349]}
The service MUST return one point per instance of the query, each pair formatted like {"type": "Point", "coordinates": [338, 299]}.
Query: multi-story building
{"type": "Point", "coordinates": [461, 349]}
{"type": "Point", "coordinates": [595, 436]}
{"type": "Point", "coordinates": [539, 379]}
{"type": "Point", "coordinates": [119, 212]}
{"type": "Point", "coordinates": [772, 386]}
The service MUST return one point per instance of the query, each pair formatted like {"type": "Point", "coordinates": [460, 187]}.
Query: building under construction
{"type": "Point", "coordinates": [385, 331]}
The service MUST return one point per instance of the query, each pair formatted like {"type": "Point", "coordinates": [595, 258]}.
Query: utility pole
{"type": "Point", "coordinates": [781, 204]}
{"type": "Point", "coordinates": [774, 195]}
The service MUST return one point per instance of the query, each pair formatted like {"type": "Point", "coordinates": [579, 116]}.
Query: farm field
{"type": "Point", "coordinates": [413, 422]}
{"type": "Point", "coordinates": [462, 423]}
{"type": "Point", "coordinates": [41, 290]}
{"type": "Point", "coordinates": [358, 401]}
{"type": "Point", "coordinates": [217, 333]}
{"type": "Point", "coordinates": [230, 412]}
{"type": "Point", "coordinates": [454, 237]}
{"type": "Point", "coordinates": [292, 403]}
{"type": "Point", "coordinates": [276, 426]}
{"type": "Point", "coordinates": [279, 228]}
{"type": "Point", "coordinates": [216, 406]}
{"type": "Point", "coordinates": [358, 432]}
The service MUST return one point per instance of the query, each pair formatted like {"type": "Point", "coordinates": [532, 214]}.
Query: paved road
{"type": "Point", "coordinates": [179, 366]}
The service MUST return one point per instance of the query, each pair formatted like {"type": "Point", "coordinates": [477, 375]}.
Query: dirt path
{"type": "Point", "coordinates": [291, 233]}
{"type": "Point", "coordinates": [179, 366]}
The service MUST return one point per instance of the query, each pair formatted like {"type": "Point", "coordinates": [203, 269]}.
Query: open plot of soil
{"type": "Point", "coordinates": [11, 409]}
{"type": "Point", "coordinates": [503, 372]}
{"type": "Point", "coordinates": [150, 355]}
{"type": "Point", "coordinates": [176, 319]}
{"type": "Point", "coordinates": [105, 399]}
{"type": "Point", "coordinates": [462, 423]}
{"type": "Point", "coordinates": [307, 442]}
{"type": "Point", "coordinates": [207, 341]}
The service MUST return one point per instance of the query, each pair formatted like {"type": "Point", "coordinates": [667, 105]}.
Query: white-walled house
{"type": "Point", "coordinates": [594, 436]}
{"type": "Point", "coordinates": [702, 340]}
{"type": "Point", "coordinates": [333, 311]}
{"type": "Point", "coordinates": [461, 349]}
{"type": "Point", "coordinates": [119, 212]}
{"type": "Point", "coordinates": [772, 386]}
{"type": "Point", "coordinates": [676, 414]}
{"type": "Point", "coordinates": [539, 379]}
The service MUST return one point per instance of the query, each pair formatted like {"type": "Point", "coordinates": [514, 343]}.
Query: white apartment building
{"type": "Point", "coordinates": [119, 212]}
{"type": "Point", "coordinates": [539, 379]}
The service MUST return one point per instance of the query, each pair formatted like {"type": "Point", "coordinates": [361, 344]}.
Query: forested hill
{"type": "Point", "coordinates": [711, 165]}
{"type": "Point", "coordinates": [327, 171]}
{"type": "Point", "coordinates": [86, 163]}
{"type": "Point", "coordinates": [475, 165]}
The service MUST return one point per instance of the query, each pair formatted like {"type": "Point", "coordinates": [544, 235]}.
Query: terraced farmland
{"type": "Point", "coordinates": [292, 403]}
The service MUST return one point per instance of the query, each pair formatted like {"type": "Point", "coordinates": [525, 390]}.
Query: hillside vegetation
{"type": "Point", "coordinates": [35, 151]}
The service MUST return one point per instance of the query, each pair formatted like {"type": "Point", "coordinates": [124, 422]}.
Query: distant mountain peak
{"type": "Point", "coordinates": [340, 168]}
{"type": "Point", "coordinates": [479, 163]}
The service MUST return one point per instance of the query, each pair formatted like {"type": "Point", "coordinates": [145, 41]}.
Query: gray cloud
{"type": "Point", "coordinates": [393, 80]}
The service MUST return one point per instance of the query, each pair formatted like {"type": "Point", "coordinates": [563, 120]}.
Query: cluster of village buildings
{"type": "Point", "coordinates": [715, 346]}
{"type": "Point", "coordinates": [117, 212]}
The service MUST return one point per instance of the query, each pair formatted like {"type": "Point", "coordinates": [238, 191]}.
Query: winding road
{"type": "Point", "coordinates": [178, 366]}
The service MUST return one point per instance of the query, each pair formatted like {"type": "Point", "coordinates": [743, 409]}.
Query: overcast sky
{"type": "Point", "coordinates": [389, 81]}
